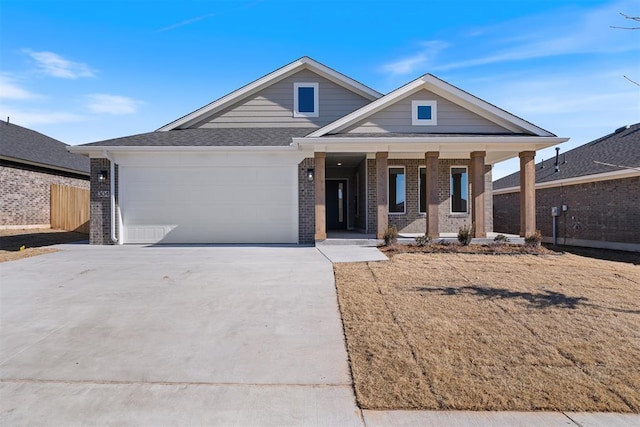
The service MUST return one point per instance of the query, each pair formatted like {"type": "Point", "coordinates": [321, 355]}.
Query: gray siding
{"type": "Point", "coordinates": [451, 118]}
{"type": "Point", "coordinates": [273, 106]}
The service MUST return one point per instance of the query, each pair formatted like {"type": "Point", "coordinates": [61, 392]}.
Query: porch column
{"type": "Point", "coordinates": [319, 181]}
{"type": "Point", "coordinates": [431, 193]}
{"type": "Point", "coordinates": [527, 193]}
{"type": "Point", "coordinates": [477, 183]}
{"type": "Point", "coordinates": [382, 183]}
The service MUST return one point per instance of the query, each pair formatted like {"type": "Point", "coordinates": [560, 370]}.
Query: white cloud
{"type": "Point", "coordinates": [112, 104]}
{"type": "Point", "coordinates": [9, 89]}
{"type": "Point", "coordinates": [38, 117]}
{"type": "Point", "coordinates": [420, 60]}
{"type": "Point", "coordinates": [186, 22]}
{"type": "Point", "coordinates": [55, 65]}
{"type": "Point", "coordinates": [579, 105]}
{"type": "Point", "coordinates": [568, 32]}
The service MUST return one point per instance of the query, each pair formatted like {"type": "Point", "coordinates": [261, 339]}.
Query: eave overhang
{"type": "Point", "coordinates": [498, 148]}
{"type": "Point", "coordinates": [44, 165]}
{"type": "Point", "coordinates": [100, 151]}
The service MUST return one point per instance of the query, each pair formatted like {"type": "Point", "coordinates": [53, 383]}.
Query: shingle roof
{"type": "Point", "coordinates": [21, 144]}
{"type": "Point", "coordinates": [621, 148]}
{"type": "Point", "coordinates": [205, 137]}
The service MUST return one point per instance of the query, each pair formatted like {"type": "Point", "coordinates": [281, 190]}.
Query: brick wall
{"type": "Point", "coordinates": [100, 205]}
{"type": "Point", "coordinates": [306, 204]}
{"type": "Point", "coordinates": [25, 194]}
{"type": "Point", "coordinates": [506, 213]}
{"type": "Point", "coordinates": [412, 221]}
{"type": "Point", "coordinates": [606, 211]}
{"type": "Point", "coordinates": [372, 199]}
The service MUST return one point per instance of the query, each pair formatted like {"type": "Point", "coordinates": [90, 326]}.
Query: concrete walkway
{"type": "Point", "coordinates": [243, 336]}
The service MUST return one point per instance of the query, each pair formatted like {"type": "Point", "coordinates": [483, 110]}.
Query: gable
{"type": "Point", "coordinates": [431, 85]}
{"type": "Point", "coordinates": [211, 111]}
{"type": "Point", "coordinates": [451, 118]}
{"type": "Point", "coordinates": [273, 106]}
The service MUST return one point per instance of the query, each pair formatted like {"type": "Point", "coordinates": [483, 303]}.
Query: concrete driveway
{"type": "Point", "coordinates": [173, 335]}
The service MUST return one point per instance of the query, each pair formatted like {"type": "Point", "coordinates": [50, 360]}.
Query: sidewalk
{"type": "Point", "coordinates": [497, 419]}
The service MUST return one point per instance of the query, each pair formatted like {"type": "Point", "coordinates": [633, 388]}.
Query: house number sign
{"type": "Point", "coordinates": [103, 193]}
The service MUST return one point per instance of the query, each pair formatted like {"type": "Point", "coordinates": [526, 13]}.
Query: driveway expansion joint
{"type": "Point", "coordinates": [167, 383]}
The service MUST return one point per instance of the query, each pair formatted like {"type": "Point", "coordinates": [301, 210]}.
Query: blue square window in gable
{"type": "Point", "coordinates": [306, 102]}
{"type": "Point", "coordinates": [424, 112]}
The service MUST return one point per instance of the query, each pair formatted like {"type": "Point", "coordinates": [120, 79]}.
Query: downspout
{"type": "Point", "coordinates": [112, 192]}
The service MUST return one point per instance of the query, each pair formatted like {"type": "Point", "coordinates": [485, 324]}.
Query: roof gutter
{"type": "Point", "coordinates": [584, 179]}
{"type": "Point", "coordinates": [99, 150]}
{"type": "Point", "coordinates": [481, 139]}
{"type": "Point", "coordinates": [112, 194]}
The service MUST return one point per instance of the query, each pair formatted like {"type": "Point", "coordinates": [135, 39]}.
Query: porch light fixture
{"type": "Point", "coordinates": [102, 177]}
{"type": "Point", "coordinates": [310, 173]}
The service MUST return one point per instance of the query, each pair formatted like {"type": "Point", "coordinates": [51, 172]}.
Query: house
{"type": "Point", "coordinates": [29, 163]}
{"type": "Point", "coordinates": [305, 150]}
{"type": "Point", "coordinates": [594, 188]}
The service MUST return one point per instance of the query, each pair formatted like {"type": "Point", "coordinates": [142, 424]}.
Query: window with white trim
{"type": "Point", "coordinates": [459, 189]}
{"type": "Point", "coordinates": [424, 113]}
{"type": "Point", "coordinates": [397, 189]}
{"type": "Point", "coordinates": [305, 100]}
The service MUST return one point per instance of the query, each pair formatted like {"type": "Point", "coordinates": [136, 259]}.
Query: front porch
{"type": "Point", "coordinates": [359, 195]}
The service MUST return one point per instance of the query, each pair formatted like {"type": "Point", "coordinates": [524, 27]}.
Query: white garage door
{"type": "Point", "coordinates": [228, 198]}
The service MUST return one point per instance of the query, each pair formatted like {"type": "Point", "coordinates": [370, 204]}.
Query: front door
{"type": "Point", "coordinates": [336, 204]}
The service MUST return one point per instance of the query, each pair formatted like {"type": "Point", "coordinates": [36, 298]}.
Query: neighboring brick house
{"type": "Point", "coordinates": [596, 189]}
{"type": "Point", "coordinates": [306, 150]}
{"type": "Point", "coordinates": [29, 163]}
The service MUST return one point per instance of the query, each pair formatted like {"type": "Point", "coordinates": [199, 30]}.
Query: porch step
{"type": "Point", "coordinates": [349, 241]}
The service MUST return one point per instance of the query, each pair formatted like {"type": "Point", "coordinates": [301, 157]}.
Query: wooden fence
{"type": "Point", "coordinates": [70, 208]}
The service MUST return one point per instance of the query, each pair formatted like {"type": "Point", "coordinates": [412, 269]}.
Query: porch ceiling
{"type": "Point", "coordinates": [344, 160]}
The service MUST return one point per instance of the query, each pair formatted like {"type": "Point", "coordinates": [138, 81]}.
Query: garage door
{"type": "Point", "coordinates": [209, 199]}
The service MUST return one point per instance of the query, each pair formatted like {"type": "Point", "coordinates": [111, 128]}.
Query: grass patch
{"type": "Point", "coordinates": [463, 331]}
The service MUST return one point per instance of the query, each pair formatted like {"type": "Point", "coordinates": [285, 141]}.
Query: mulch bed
{"type": "Point", "coordinates": [18, 244]}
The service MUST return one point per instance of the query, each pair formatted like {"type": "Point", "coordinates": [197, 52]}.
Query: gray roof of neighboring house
{"type": "Point", "coordinates": [209, 137]}
{"type": "Point", "coordinates": [27, 146]}
{"type": "Point", "coordinates": [620, 148]}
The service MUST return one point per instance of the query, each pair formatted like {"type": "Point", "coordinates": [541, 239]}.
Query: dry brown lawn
{"type": "Point", "coordinates": [34, 241]}
{"type": "Point", "coordinates": [554, 332]}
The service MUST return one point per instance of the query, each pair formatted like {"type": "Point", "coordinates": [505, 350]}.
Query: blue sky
{"type": "Point", "coordinates": [82, 71]}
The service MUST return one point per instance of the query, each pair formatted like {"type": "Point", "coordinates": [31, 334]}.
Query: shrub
{"type": "Point", "coordinates": [465, 234]}
{"type": "Point", "coordinates": [391, 235]}
{"type": "Point", "coordinates": [533, 239]}
{"type": "Point", "coordinates": [501, 238]}
{"type": "Point", "coordinates": [423, 240]}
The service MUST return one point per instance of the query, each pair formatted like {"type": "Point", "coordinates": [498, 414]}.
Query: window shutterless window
{"type": "Point", "coordinates": [424, 113]}
{"type": "Point", "coordinates": [396, 190]}
{"type": "Point", "coordinates": [305, 100]}
{"type": "Point", "coordinates": [459, 189]}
